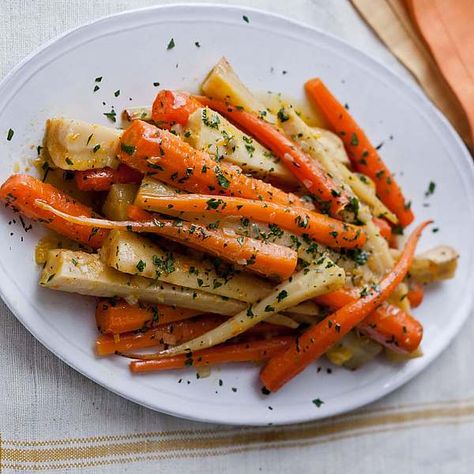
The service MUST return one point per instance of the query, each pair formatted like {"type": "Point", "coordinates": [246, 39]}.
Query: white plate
{"type": "Point", "coordinates": [130, 52]}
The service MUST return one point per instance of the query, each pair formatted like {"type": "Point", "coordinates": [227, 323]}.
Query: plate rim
{"type": "Point", "coordinates": [291, 24]}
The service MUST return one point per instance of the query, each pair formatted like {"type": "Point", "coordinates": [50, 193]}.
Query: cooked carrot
{"type": "Point", "coordinates": [21, 191]}
{"type": "Point", "coordinates": [309, 172]}
{"type": "Point", "coordinates": [173, 107]}
{"type": "Point", "coordinates": [251, 351]}
{"type": "Point", "coordinates": [136, 213]}
{"type": "Point", "coordinates": [265, 258]}
{"type": "Point", "coordinates": [388, 324]}
{"type": "Point", "coordinates": [384, 228]}
{"type": "Point", "coordinates": [319, 338]}
{"type": "Point", "coordinates": [300, 221]}
{"type": "Point", "coordinates": [168, 158]}
{"type": "Point", "coordinates": [362, 153]}
{"type": "Point", "coordinates": [115, 317]}
{"type": "Point", "coordinates": [100, 179]}
{"type": "Point", "coordinates": [172, 333]}
{"type": "Point", "coordinates": [416, 293]}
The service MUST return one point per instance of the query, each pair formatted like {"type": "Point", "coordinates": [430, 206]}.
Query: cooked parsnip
{"type": "Point", "coordinates": [353, 351]}
{"type": "Point", "coordinates": [136, 255]}
{"type": "Point", "coordinates": [438, 263]}
{"type": "Point", "coordinates": [278, 103]}
{"type": "Point", "coordinates": [78, 145]}
{"type": "Point", "coordinates": [224, 84]}
{"type": "Point", "coordinates": [211, 132]}
{"type": "Point", "coordinates": [314, 280]}
{"type": "Point", "coordinates": [119, 197]}
{"type": "Point", "coordinates": [137, 113]}
{"type": "Point", "coordinates": [84, 273]}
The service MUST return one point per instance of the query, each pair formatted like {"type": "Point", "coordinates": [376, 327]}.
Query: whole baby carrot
{"type": "Point", "coordinates": [319, 338]}
{"type": "Point", "coordinates": [21, 192]}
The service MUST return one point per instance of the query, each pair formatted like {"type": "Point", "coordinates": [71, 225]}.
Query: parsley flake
{"type": "Point", "coordinates": [317, 402]}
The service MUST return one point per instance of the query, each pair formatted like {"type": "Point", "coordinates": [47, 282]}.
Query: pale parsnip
{"type": "Point", "coordinates": [136, 255]}
{"type": "Point", "coordinates": [77, 145]}
{"type": "Point", "coordinates": [84, 273]}
{"type": "Point", "coordinates": [119, 197]}
{"type": "Point", "coordinates": [438, 263]}
{"type": "Point", "coordinates": [283, 320]}
{"type": "Point", "coordinates": [314, 280]}
{"type": "Point", "coordinates": [138, 113]}
{"type": "Point", "coordinates": [209, 131]}
{"type": "Point", "coordinates": [353, 351]}
{"type": "Point", "coordinates": [223, 83]}
{"type": "Point", "coordinates": [277, 102]}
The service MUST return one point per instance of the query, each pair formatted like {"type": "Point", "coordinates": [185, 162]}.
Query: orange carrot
{"type": "Point", "coordinates": [115, 317]}
{"type": "Point", "coordinates": [388, 324]}
{"type": "Point", "coordinates": [251, 351]}
{"type": "Point", "coordinates": [173, 107]}
{"type": "Point", "coordinates": [416, 293]}
{"type": "Point", "coordinates": [21, 191]}
{"type": "Point", "coordinates": [384, 228]}
{"type": "Point", "coordinates": [265, 258]}
{"type": "Point", "coordinates": [166, 157]}
{"type": "Point", "coordinates": [319, 338]}
{"type": "Point", "coordinates": [300, 221]}
{"type": "Point", "coordinates": [100, 179]}
{"type": "Point", "coordinates": [172, 333]}
{"type": "Point", "coordinates": [136, 213]}
{"type": "Point", "coordinates": [309, 172]}
{"type": "Point", "coordinates": [363, 155]}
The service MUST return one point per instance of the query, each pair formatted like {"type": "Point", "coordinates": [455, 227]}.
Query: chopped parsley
{"type": "Point", "coordinates": [431, 189]}
{"type": "Point", "coordinates": [245, 18]}
{"type": "Point", "coordinates": [128, 149]}
{"type": "Point", "coordinates": [282, 295]}
{"type": "Point", "coordinates": [117, 93]}
{"type": "Point", "coordinates": [112, 115]}
{"type": "Point", "coordinates": [141, 265]}
{"type": "Point", "coordinates": [69, 161]}
{"type": "Point", "coordinates": [221, 179]}
{"type": "Point", "coordinates": [10, 134]}
{"type": "Point", "coordinates": [96, 148]}
{"type": "Point", "coordinates": [98, 79]}
{"type": "Point", "coordinates": [282, 115]}
{"type": "Point", "coordinates": [269, 309]}
{"type": "Point", "coordinates": [359, 256]}
{"type": "Point", "coordinates": [318, 402]}
{"type": "Point", "coordinates": [171, 44]}
{"type": "Point", "coordinates": [212, 122]}
{"type": "Point", "coordinates": [196, 43]}
{"type": "Point", "coordinates": [354, 139]}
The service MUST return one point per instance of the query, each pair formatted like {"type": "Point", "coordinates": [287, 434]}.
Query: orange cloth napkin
{"type": "Point", "coordinates": [434, 39]}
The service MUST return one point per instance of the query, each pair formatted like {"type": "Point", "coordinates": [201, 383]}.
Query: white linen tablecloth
{"type": "Point", "coordinates": [52, 418]}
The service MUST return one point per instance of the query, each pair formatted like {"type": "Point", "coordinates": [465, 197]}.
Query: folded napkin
{"type": "Point", "coordinates": [434, 39]}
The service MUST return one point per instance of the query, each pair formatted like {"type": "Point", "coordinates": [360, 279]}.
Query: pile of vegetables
{"type": "Point", "coordinates": [225, 227]}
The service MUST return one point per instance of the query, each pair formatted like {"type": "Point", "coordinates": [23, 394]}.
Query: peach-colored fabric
{"type": "Point", "coordinates": [391, 21]}
{"type": "Point", "coordinates": [447, 27]}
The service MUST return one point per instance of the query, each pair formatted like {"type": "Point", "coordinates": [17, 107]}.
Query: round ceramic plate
{"type": "Point", "coordinates": [130, 52]}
